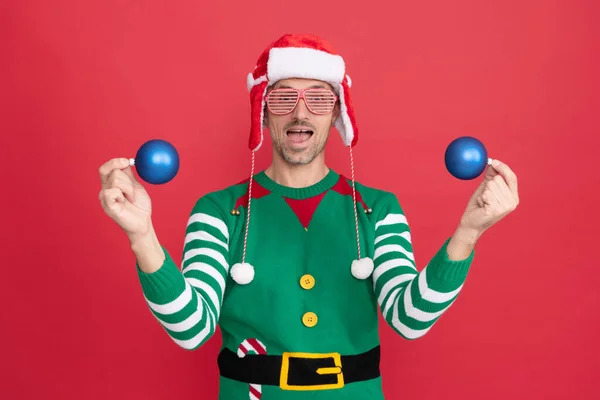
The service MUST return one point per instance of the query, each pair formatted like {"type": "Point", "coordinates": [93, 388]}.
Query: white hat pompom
{"type": "Point", "coordinates": [242, 273]}
{"type": "Point", "coordinates": [362, 268]}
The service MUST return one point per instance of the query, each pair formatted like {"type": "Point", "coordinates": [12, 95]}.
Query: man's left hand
{"type": "Point", "coordinates": [495, 198]}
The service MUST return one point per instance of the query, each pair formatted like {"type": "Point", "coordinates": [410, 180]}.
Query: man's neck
{"type": "Point", "coordinates": [297, 176]}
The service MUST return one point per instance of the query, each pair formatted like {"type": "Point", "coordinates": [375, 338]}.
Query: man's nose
{"type": "Point", "coordinates": [301, 111]}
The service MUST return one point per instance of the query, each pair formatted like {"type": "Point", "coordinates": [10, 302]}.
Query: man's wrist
{"type": "Point", "coordinates": [468, 236]}
{"type": "Point", "coordinates": [462, 243]}
{"type": "Point", "coordinates": [148, 251]}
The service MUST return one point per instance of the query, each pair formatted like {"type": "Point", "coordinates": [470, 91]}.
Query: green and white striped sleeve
{"type": "Point", "coordinates": [411, 301]}
{"type": "Point", "coordinates": [187, 303]}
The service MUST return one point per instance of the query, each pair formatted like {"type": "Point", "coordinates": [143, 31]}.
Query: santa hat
{"type": "Point", "coordinates": [308, 57]}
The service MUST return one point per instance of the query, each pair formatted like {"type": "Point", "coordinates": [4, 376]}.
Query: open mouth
{"type": "Point", "coordinates": [299, 135]}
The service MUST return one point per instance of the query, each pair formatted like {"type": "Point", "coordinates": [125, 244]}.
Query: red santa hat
{"type": "Point", "coordinates": [308, 57]}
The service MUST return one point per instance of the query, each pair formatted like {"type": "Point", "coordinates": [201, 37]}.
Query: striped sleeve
{"type": "Point", "coordinates": [187, 302]}
{"type": "Point", "coordinates": [411, 301]}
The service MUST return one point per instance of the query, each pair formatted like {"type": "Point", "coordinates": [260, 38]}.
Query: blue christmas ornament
{"type": "Point", "coordinates": [466, 158]}
{"type": "Point", "coordinates": [156, 161]}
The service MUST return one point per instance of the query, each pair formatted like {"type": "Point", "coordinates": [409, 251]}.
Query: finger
{"type": "Point", "coordinates": [101, 197]}
{"type": "Point", "coordinates": [129, 172]}
{"type": "Point", "coordinates": [119, 179]}
{"type": "Point", "coordinates": [480, 201]}
{"type": "Point", "coordinates": [110, 166]}
{"type": "Point", "coordinates": [489, 198]}
{"type": "Point", "coordinates": [497, 192]}
{"type": "Point", "coordinates": [509, 176]}
{"type": "Point", "coordinates": [506, 193]}
{"type": "Point", "coordinates": [111, 196]}
{"type": "Point", "coordinates": [489, 174]}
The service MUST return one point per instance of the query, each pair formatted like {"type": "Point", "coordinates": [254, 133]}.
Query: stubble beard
{"type": "Point", "coordinates": [300, 156]}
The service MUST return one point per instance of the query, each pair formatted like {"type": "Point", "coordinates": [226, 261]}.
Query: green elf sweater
{"type": "Point", "coordinates": [303, 310]}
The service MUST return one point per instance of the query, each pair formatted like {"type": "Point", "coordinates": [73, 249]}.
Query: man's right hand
{"type": "Point", "coordinates": [124, 199]}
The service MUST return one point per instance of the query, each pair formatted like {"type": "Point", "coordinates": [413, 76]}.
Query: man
{"type": "Point", "coordinates": [294, 264]}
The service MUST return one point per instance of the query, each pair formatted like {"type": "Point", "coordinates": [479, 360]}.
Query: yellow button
{"type": "Point", "coordinates": [309, 319]}
{"type": "Point", "coordinates": [307, 282]}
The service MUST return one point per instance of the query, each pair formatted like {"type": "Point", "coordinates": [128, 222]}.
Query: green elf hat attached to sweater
{"type": "Point", "coordinates": [308, 57]}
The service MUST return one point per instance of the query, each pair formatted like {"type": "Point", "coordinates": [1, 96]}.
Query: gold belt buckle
{"type": "Point", "coordinates": [337, 370]}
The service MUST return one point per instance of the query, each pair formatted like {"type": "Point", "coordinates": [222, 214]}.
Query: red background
{"type": "Point", "coordinates": [86, 81]}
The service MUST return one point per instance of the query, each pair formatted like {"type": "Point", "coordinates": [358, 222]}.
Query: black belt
{"type": "Point", "coordinates": [300, 371]}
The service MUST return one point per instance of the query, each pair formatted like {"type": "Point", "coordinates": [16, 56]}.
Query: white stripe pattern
{"type": "Point", "coordinates": [393, 284]}
{"type": "Point", "coordinates": [214, 254]}
{"type": "Point", "coordinates": [406, 331]}
{"type": "Point", "coordinates": [206, 288]}
{"type": "Point", "coordinates": [174, 306]}
{"type": "Point", "coordinates": [200, 336]}
{"type": "Point", "coordinates": [414, 312]}
{"type": "Point", "coordinates": [390, 302]}
{"type": "Point", "coordinates": [431, 295]}
{"type": "Point", "coordinates": [392, 248]}
{"type": "Point", "coordinates": [201, 235]}
{"type": "Point", "coordinates": [203, 279]}
{"type": "Point", "coordinates": [209, 220]}
{"type": "Point", "coordinates": [392, 219]}
{"type": "Point", "coordinates": [406, 235]}
{"type": "Point", "coordinates": [390, 264]}
{"type": "Point", "coordinates": [207, 269]}
{"type": "Point", "coordinates": [186, 324]}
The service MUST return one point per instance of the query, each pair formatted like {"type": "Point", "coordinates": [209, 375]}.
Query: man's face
{"type": "Point", "coordinates": [300, 136]}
